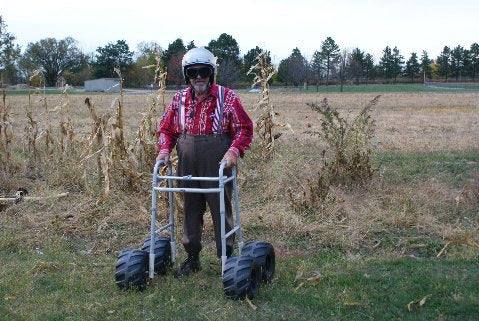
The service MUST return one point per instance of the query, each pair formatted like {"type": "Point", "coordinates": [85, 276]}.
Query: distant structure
{"type": "Point", "coordinates": [108, 85]}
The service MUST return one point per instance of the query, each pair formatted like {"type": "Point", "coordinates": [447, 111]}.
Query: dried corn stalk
{"type": "Point", "coordinates": [118, 127]}
{"type": "Point", "coordinates": [95, 141]}
{"type": "Point", "coordinates": [265, 124]}
{"type": "Point", "coordinates": [145, 144]}
{"type": "Point", "coordinates": [67, 135]}
{"type": "Point", "coordinates": [99, 144]}
{"type": "Point", "coordinates": [31, 132]}
{"type": "Point", "coordinates": [145, 141]}
{"type": "Point", "coordinates": [6, 133]}
{"type": "Point", "coordinates": [160, 77]}
{"type": "Point", "coordinates": [49, 142]}
{"type": "Point", "coordinates": [46, 134]}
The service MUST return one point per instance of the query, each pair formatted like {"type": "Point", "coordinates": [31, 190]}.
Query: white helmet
{"type": "Point", "coordinates": [199, 55]}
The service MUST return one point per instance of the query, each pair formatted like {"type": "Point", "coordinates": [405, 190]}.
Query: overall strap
{"type": "Point", "coordinates": [218, 119]}
{"type": "Point", "coordinates": [181, 110]}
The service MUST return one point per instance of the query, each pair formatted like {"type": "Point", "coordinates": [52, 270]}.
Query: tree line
{"type": "Point", "coordinates": [62, 61]}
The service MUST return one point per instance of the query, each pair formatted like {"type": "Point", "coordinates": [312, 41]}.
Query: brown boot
{"type": "Point", "coordinates": [190, 265]}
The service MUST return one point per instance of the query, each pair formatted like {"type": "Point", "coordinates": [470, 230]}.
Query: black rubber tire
{"type": "Point", "coordinates": [131, 269]}
{"type": "Point", "coordinates": [263, 255]}
{"type": "Point", "coordinates": [162, 252]}
{"type": "Point", "coordinates": [241, 278]}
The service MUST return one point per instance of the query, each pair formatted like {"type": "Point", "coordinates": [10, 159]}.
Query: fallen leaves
{"type": "Point", "coordinates": [314, 278]}
{"type": "Point", "coordinates": [417, 303]}
{"type": "Point", "coordinates": [254, 307]}
{"type": "Point", "coordinates": [458, 241]}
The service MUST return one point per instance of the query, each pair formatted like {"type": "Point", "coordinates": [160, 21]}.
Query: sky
{"type": "Point", "coordinates": [278, 26]}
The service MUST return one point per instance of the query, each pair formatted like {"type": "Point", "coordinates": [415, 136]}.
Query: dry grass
{"type": "Point", "coordinates": [406, 217]}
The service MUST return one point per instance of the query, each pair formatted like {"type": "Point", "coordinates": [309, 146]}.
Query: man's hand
{"type": "Point", "coordinates": [231, 159]}
{"type": "Point", "coordinates": [163, 156]}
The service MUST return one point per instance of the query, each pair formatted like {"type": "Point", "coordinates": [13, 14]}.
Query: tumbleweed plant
{"type": "Point", "coordinates": [348, 159]}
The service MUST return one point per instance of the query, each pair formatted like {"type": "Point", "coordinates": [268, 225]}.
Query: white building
{"type": "Point", "coordinates": [109, 85]}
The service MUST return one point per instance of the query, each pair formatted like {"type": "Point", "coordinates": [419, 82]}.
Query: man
{"type": "Point", "coordinates": [207, 123]}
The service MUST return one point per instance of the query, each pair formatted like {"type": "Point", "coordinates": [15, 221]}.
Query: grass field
{"type": "Point", "coordinates": [370, 88]}
{"type": "Point", "coordinates": [370, 255]}
{"type": "Point", "coordinates": [386, 88]}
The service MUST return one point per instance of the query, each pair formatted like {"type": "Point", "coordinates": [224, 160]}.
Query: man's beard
{"type": "Point", "coordinates": [200, 88]}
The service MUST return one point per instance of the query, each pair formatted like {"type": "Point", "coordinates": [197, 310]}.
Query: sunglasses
{"type": "Point", "coordinates": [203, 72]}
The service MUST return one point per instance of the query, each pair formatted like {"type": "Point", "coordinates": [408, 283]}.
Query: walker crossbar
{"type": "Point", "coordinates": [221, 179]}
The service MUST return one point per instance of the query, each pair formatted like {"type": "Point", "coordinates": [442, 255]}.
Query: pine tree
{"type": "Point", "coordinates": [412, 67]}
{"type": "Point", "coordinates": [249, 60]}
{"type": "Point", "coordinates": [474, 59]}
{"type": "Point", "coordinates": [226, 49]}
{"type": "Point", "coordinates": [355, 64]}
{"type": "Point", "coordinates": [444, 62]}
{"type": "Point", "coordinates": [457, 61]}
{"type": "Point", "coordinates": [294, 69]}
{"type": "Point", "coordinates": [330, 53]}
{"type": "Point", "coordinates": [386, 63]}
{"type": "Point", "coordinates": [369, 70]}
{"type": "Point", "coordinates": [397, 63]}
{"type": "Point", "coordinates": [317, 68]}
{"type": "Point", "coordinates": [426, 65]}
{"type": "Point", "coordinates": [190, 45]}
{"type": "Point", "coordinates": [172, 61]}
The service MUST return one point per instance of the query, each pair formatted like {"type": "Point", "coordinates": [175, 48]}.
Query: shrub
{"type": "Point", "coordinates": [347, 162]}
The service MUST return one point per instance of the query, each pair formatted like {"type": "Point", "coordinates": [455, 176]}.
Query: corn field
{"type": "Point", "coordinates": [96, 160]}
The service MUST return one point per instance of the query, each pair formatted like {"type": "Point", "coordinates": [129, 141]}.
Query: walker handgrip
{"type": "Point", "coordinates": [222, 167]}
{"type": "Point", "coordinates": [158, 163]}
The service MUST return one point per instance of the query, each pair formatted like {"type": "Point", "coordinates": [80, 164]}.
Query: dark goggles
{"type": "Point", "coordinates": [203, 72]}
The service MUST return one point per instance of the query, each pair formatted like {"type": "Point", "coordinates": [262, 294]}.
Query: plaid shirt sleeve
{"type": "Point", "coordinates": [167, 131]}
{"type": "Point", "coordinates": [240, 125]}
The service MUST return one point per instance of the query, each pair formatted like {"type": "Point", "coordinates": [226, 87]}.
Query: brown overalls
{"type": "Point", "coordinates": [200, 156]}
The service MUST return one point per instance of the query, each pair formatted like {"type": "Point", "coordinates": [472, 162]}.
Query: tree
{"type": "Point", "coordinates": [386, 63]}
{"type": "Point", "coordinates": [444, 62]}
{"type": "Point", "coordinates": [111, 56]}
{"type": "Point", "coordinates": [474, 59]}
{"type": "Point", "coordinates": [391, 63]}
{"type": "Point", "coordinates": [294, 69]}
{"type": "Point", "coordinates": [172, 60]}
{"type": "Point", "coordinates": [330, 53]}
{"type": "Point", "coordinates": [175, 48]}
{"type": "Point", "coordinates": [190, 45]}
{"type": "Point", "coordinates": [426, 69]}
{"type": "Point", "coordinates": [369, 69]}
{"type": "Point", "coordinates": [138, 75]}
{"type": "Point", "coordinates": [249, 60]}
{"type": "Point", "coordinates": [149, 49]}
{"type": "Point", "coordinates": [412, 67]}
{"type": "Point", "coordinates": [317, 68]}
{"type": "Point", "coordinates": [398, 62]}
{"type": "Point", "coordinates": [54, 58]}
{"type": "Point", "coordinates": [342, 67]}
{"type": "Point", "coordinates": [226, 49]}
{"type": "Point", "coordinates": [229, 72]}
{"type": "Point", "coordinates": [175, 73]}
{"type": "Point", "coordinates": [457, 61]}
{"type": "Point", "coordinates": [355, 64]}
{"type": "Point", "coordinates": [9, 54]}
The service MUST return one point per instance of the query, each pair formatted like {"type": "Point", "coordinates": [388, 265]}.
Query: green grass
{"type": "Point", "coordinates": [451, 167]}
{"type": "Point", "coordinates": [64, 285]}
{"type": "Point", "coordinates": [391, 88]}
{"type": "Point", "coordinates": [371, 88]}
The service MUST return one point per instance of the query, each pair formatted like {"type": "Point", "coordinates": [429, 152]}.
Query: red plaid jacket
{"type": "Point", "coordinates": [199, 117]}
